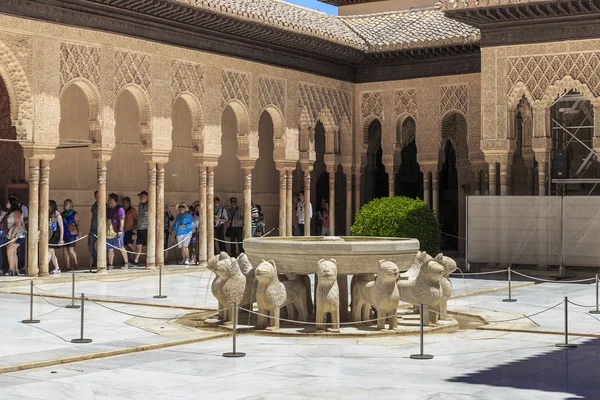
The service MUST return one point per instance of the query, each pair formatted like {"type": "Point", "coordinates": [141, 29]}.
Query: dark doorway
{"type": "Point", "coordinates": [375, 182]}
{"type": "Point", "coordinates": [409, 179]}
{"type": "Point", "coordinates": [449, 199]}
{"type": "Point", "coordinates": [319, 178]}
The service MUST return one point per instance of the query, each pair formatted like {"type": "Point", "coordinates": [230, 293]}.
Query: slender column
{"type": "Point", "coordinates": [503, 179]}
{"type": "Point", "coordinates": [348, 201]}
{"type": "Point", "coordinates": [392, 182]}
{"type": "Point", "coordinates": [102, 196]}
{"type": "Point", "coordinates": [282, 202]}
{"type": "Point", "coordinates": [357, 190]}
{"type": "Point", "coordinates": [247, 203]}
{"type": "Point", "coordinates": [542, 171]}
{"type": "Point", "coordinates": [307, 170]}
{"type": "Point", "coordinates": [34, 197]}
{"type": "Point", "coordinates": [477, 174]}
{"type": "Point", "coordinates": [435, 193]}
{"type": "Point", "coordinates": [205, 219]}
{"type": "Point", "coordinates": [43, 207]}
{"type": "Point", "coordinates": [492, 178]}
{"type": "Point", "coordinates": [160, 214]}
{"type": "Point", "coordinates": [331, 171]}
{"type": "Point", "coordinates": [290, 203]}
{"type": "Point", "coordinates": [151, 247]}
{"type": "Point", "coordinates": [486, 182]}
{"type": "Point", "coordinates": [210, 212]}
{"type": "Point", "coordinates": [426, 188]}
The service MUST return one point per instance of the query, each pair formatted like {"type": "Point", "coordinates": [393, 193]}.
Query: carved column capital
{"type": "Point", "coordinates": [101, 153]}
{"type": "Point", "coordinates": [33, 151]}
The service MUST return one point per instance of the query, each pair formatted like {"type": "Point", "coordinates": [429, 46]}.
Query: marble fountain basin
{"type": "Point", "coordinates": [354, 254]}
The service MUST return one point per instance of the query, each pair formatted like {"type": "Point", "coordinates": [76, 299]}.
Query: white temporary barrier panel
{"type": "Point", "coordinates": [534, 230]}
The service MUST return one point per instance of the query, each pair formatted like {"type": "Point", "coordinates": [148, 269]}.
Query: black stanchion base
{"type": "Point", "coordinates": [595, 312]}
{"type": "Point", "coordinates": [566, 345]}
{"type": "Point", "coordinates": [30, 321]}
{"type": "Point", "coordinates": [509, 300]}
{"type": "Point", "coordinates": [81, 340]}
{"type": "Point", "coordinates": [160, 296]}
{"type": "Point", "coordinates": [234, 355]}
{"type": "Point", "coordinates": [73, 306]}
{"type": "Point", "coordinates": [421, 356]}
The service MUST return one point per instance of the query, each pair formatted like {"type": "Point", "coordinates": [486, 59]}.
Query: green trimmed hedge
{"type": "Point", "coordinates": [400, 217]}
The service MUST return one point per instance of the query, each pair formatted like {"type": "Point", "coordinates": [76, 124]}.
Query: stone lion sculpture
{"type": "Point", "coordinates": [447, 290]}
{"type": "Point", "coordinates": [424, 285]}
{"type": "Point", "coordinates": [327, 295]}
{"type": "Point", "coordinates": [229, 285]}
{"type": "Point", "coordinates": [272, 295]}
{"type": "Point", "coordinates": [381, 294]}
{"type": "Point", "coordinates": [217, 282]}
{"type": "Point", "coordinates": [249, 296]}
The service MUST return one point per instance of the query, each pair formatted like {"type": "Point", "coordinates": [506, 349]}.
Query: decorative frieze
{"type": "Point", "coordinates": [79, 61]}
{"type": "Point", "coordinates": [235, 86]}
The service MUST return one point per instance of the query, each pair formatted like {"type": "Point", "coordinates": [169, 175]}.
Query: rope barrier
{"type": "Point", "coordinates": [67, 243]}
{"type": "Point", "coordinates": [549, 281]}
{"type": "Point", "coordinates": [526, 316]}
{"type": "Point", "coordinates": [43, 298]}
{"type": "Point", "coordinates": [53, 290]}
{"type": "Point", "coordinates": [312, 323]}
{"type": "Point", "coordinates": [144, 253]}
{"type": "Point", "coordinates": [457, 237]}
{"type": "Point", "coordinates": [50, 333]}
{"type": "Point", "coordinates": [89, 278]}
{"type": "Point", "coordinates": [9, 242]}
{"type": "Point", "coordinates": [581, 305]}
{"type": "Point", "coordinates": [478, 273]}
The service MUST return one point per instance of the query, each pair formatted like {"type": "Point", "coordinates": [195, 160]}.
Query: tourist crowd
{"type": "Point", "coordinates": [127, 230]}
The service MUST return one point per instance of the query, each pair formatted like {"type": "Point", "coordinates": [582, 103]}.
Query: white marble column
{"type": "Point", "coordinates": [34, 198]}
{"type": "Point", "coordinates": [542, 171]}
{"type": "Point", "coordinates": [307, 170]}
{"type": "Point", "coordinates": [282, 202]}
{"type": "Point", "coordinates": [503, 179]}
{"type": "Point", "coordinates": [492, 178]}
{"type": "Point", "coordinates": [427, 188]}
{"type": "Point", "coordinates": [247, 203]}
{"type": "Point", "coordinates": [290, 203]}
{"type": "Point", "coordinates": [44, 216]}
{"type": "Point", "coordinates": [392, 181]}
{"type": "Point", "coordinates": [102, 196]}
{"type": "Point", "coordinates": [348, 201]}
{"type": "Point", "coordinates": [205, 218]}
{"type": "Point", "coordinates": [160, 215]}
{"type": "Point", "coordinates": [151, 246]}
{"type": "Point", "coordinates": [435, 193]}
{"type": "Point", "coordinates": [357, 202]}
{"type": "Point", "coordinates": [210, 211]}
{"type": "Point", "coordinates": [331, 170]}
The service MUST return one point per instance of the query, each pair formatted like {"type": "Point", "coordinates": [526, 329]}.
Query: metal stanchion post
{"type": "Point", "coordinates": [566, 344]}
{"type": "Point", "coordinates": [235, 353]}
{"type": "Point", "coordinates": [81, 339]}
{"type": "Point", "coordinates": [73, 305]}
{"type": "Point", "coordinates": [510, 299]}
{"type": "Point", "coordinates": [421, 356]}
{"type": "Point", "coordinates": [596, 311]}
{"type": "Point", "coordinates": [31, 320]}
{"type": "Point", "coordinates": [160, 295]}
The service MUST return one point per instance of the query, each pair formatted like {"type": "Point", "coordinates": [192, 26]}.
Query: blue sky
{"type": "Point", "coordinates": [315, 5]}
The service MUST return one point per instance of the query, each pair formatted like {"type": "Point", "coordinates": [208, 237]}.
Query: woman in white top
{"type": "Point", "coordinates": [15, 230]}
{"type": "Point", "coordinates": [56, 234]}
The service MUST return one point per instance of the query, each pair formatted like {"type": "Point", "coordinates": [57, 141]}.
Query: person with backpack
{"type": "Point", "coordinates": [114, 231]}
{"type": "Point", "coordinates": [71, 233]}
{"type": "Point", "coordinates": [56, 234]}
{"type": "Point", "coordinates": [13, 229]}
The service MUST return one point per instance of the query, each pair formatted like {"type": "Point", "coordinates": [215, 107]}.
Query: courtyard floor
{"type": "Point", "coordinates": [139, 352]}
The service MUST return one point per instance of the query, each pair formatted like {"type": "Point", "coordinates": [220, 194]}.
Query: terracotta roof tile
{"type": "Point", "coordinates": [286, 16]}
{"type": "Point", "coordinates": [418, 28]}
{"type": "Point", "coordinates": [427, 27]}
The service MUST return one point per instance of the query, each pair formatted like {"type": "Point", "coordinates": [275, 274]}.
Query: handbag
{"type": "Point", "coordinates": [110, 231]}
{"type": "Point", "coordinates": [73, 229]}
{"type": "Point", "coordinates": [228, 232]}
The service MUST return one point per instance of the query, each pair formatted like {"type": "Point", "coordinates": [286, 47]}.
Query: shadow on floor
{"type": "Point", "coordinates": [575, 371]}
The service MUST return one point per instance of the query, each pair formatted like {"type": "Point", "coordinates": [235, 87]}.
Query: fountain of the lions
{"type": "Point", "coordinates": [271, 284]}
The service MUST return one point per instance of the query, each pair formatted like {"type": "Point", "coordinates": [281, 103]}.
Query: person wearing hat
{"type": "Point", "coordinates": [142, 226]}
{"type": "Point", "coordinates": [183, 227]}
